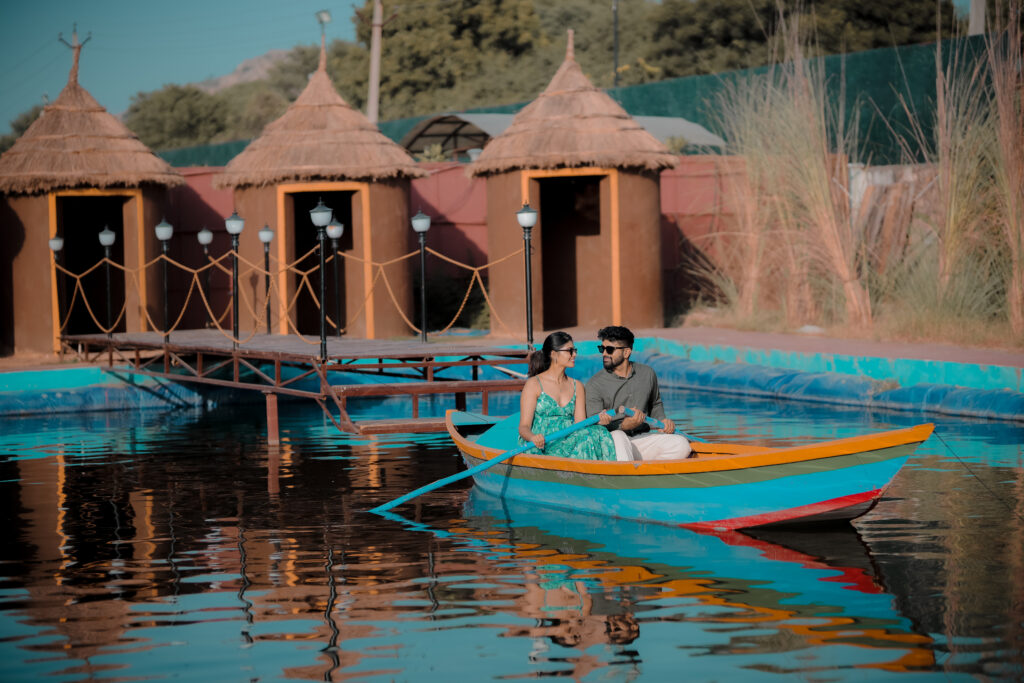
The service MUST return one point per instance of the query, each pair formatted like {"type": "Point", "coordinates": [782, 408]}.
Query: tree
{"type": "Point", "coordinates": [19, 125]}
{"type": "Point", "coordinates": [710, 36]}
{"type": "Point", "coordinates": [435, 55]}
{"type": "Point", "coordinates": [175, 116]}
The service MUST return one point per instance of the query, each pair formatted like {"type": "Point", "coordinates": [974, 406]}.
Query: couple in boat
{"type": "Point", "coordinates": [552, 400]}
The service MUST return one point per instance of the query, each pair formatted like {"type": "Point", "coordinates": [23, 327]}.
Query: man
{"type": "Point", "coordinates": [623, 383]}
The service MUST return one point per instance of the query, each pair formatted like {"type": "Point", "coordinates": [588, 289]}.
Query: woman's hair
{"type": "Point", "coordinates": [540, 359]}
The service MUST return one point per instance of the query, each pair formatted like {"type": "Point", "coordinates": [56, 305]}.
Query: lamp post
{"type": "Point", "coordinates": [107, 237]}
{"type": "Point", "coordinates": [164, 232]}
{"type": "Point", "coordinates": [234, 224]}
{"type": "Point", "coordinates": [335, 230]}
{"type": "Point", "coordinates": [527, 218]}
{"type": "Point", "coordinates": [265, 235]}
{"type": "Point", "coordinates": [421, 223]}
{"type": "Point", "coordinates": [205, 237]}
{"type": "Point", "coordinates": [56, 246]}
{"type": "Point", "coordinates": [321, 216]}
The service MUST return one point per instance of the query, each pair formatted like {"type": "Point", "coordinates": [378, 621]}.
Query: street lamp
{"type": "Point", "coordinates": [107, 237]}
{"type": "Point", "coordinates": [234, 224]}
{"type": "Point", "coordinates": [266, 235]}
{"type": "Point", "coordinates": [321, 216]}
{"type": "Point", "coordinates": [420, 224]}
{"type": "Point", "coordinates": [335, 230]}
{"type": "Point", "coordinates": [164, 232]}
{"type": "Point", "coordinates": [205, 237]}
{"type": "Point", "coordinates": [527, 218]}
{"type": "Point", "coordinates": [56, 246]}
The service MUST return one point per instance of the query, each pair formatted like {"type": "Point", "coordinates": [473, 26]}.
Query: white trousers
{"type": "Point", "coordinates": [650, 446]}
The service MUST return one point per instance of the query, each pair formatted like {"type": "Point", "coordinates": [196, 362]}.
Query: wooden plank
{"type": "Point", "coordinates": [420, 388]}
{"type": "Point", "coordinates": [402, 426]}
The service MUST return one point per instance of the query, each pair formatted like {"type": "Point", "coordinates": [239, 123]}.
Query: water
{"type": "Point", "coordinates": [180, 546]}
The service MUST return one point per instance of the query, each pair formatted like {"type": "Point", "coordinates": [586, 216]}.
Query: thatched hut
{"type": "Point", "coordinates": [592, 172]}
{"type": "Point", "coordinates": [322, 148]}
{"type": "Point", "coordinates": [75, 170]}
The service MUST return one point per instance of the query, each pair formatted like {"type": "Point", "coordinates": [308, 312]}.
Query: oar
{"type": "Point", "coordinates": [658, 424]}
{"type": "Point", "coordinates": [548, 438]}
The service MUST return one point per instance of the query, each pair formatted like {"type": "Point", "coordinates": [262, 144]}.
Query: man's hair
{"type": "Point", "coordinates": [616, 333]}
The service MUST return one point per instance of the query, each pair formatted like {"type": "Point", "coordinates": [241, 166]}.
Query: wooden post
{"type": "Point", "coordinates": [272, 431]}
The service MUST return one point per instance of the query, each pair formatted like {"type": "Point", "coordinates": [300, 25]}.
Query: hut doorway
{"type": "Point", "coordinates": [304, 239]}
{"type": "Point", "coordinates": [571, 251]}
{"type": "Point", "coordinates": [79, 221]}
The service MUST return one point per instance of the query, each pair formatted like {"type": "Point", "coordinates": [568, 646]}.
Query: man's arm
{"type": "Point", "coordinates": [595, 403]}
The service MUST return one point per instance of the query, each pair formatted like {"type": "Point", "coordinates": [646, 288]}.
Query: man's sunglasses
{"type": "Point", "coordinates": [610, 350]}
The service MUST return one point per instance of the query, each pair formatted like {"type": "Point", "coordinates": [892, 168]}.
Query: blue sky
{"type": "Point", "coordinates": [140, 45]}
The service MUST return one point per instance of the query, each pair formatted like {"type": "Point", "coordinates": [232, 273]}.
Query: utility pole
{"type": "Point", "coordinates": [373, 98]}
{"type": "Point", "coordinates": [976, 18]}
{"type": "Point", "coordinates": [615, 41]}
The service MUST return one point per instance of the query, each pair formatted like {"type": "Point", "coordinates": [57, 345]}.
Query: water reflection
{"type": "Point", "coordinates": [160, 545]}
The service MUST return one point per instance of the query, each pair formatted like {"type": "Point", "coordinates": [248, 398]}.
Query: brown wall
{"type": "Point", "coordinates": [640, 244]}
{"type": "Point", "coordinates": [390, 228]}
{"type": "Point", "coordinates": [258, 206]}
{"type": "Point", "coordinates": [389, 239]}
{"type": "Point", "coordinates": [26, 287]}
{"type": "Point", "coordinates": [506, 279]}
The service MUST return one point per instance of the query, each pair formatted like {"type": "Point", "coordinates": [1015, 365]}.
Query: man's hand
{"type": "Point", "coordinates": [633, 421]}
{"type": "Point", "coordinates": [670, 426]}
{"type": "Point", "coordinates": [604, 418]}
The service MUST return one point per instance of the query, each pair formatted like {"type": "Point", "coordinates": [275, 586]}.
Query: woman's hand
{"type": "Point", "coordinates": [538, 441]}
{"type": "Point", "coordinates": [604, 418]}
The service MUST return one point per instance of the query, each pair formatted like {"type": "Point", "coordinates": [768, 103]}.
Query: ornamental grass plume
{"type": "Point", "coordinates": [1005, 53]}
{"type": "Point", "coordinates": [795, 244]}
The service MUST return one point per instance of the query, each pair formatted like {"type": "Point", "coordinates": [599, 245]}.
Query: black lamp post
{"type": "Point", "coordinates": [335, 230]}
{"type": "Point", "coordinates": [321, 216]}
{"type": "Point", "coordinates": [421, 223]}
{"type": "Point", "coordinates": [266, 235]}
{"type": "Point", "coordinates": [527, 218]}
{"type": "Point", "coordinates": [107, 237]}
{"type": "Point", "coordinates": [205, 237]}
{"type": "Point", "coordinates": [164, 232]}
{"type": "Point", "coordinates": [234, 225]}
{"type": "Point", "coordinates": [56, 246]}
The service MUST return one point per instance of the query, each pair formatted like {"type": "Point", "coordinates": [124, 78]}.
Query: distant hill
{"type": "Point", "coordinates": [254, 69]}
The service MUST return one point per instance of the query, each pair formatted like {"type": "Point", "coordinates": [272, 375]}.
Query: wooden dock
{"type": "Point", "coordinates": [278, 365]}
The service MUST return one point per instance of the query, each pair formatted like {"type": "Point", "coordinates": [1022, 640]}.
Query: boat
{"type": "Point", "coordinates": [724, 487]}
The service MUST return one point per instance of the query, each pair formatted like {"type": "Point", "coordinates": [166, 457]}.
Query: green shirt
{"type": "Point", "coordinates": [639, 391]}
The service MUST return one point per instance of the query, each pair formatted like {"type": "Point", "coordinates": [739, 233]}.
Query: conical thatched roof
{"type": "Point", "coordinates": [572, 124]}
{"type": "Point", "coordinates": [76, 143]}
{"type": "Point", "coordinates": [319, 137]}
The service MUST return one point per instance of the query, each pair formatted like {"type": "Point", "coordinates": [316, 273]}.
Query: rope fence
{"type": "Point", "coordinates": [257, 310]}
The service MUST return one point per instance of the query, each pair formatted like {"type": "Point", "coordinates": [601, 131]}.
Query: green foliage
{"type": "Point", "coordinates": [433, 152]}
{"type": "Point", "coordinates": [710, 36]}
{"type": "Point", "coordinates": [19, 125]}
{"type": "Point", "coordinates": [176, 116]}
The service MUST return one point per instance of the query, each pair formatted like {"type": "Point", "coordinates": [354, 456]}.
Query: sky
{"type": "Point", "coordinates": [141, 45]}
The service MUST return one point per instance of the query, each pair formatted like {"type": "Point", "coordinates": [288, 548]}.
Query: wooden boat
{"type": "Point", "coordinates": [727, 486]}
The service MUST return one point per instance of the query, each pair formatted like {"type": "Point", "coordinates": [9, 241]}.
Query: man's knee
{"type": "Point", "coordinates": [663, 447]}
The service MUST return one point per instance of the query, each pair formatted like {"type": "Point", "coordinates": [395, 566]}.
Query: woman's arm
{"type": "Point", "coordinates": [527, 406]}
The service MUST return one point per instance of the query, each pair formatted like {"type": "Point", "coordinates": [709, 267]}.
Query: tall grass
{"type": "Point", "coordinates": [1005, 53]}
{"type": "Point", "coordinates": [794, 247]}
{"type": "Point", "coordinates": [952, 268]}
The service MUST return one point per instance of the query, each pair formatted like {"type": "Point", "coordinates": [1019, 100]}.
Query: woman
{"type": "Point", "coordinates": [552, 401]}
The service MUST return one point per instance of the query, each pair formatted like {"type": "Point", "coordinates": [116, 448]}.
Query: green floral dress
{"type": "Point", "coordinates": [590, 443]}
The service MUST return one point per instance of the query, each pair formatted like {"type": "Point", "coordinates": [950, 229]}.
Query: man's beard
{"type": "Point", "coordinates": [610, 364]}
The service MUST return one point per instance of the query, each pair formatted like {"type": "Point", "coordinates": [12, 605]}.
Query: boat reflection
{"type": "Point", "coordinates": [604, 580]}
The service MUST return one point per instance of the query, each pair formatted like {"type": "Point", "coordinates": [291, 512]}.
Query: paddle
{"type": "Point", "coordinates": [658, 424]}
{"type": "Point", "coordinates": [548, 438]}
